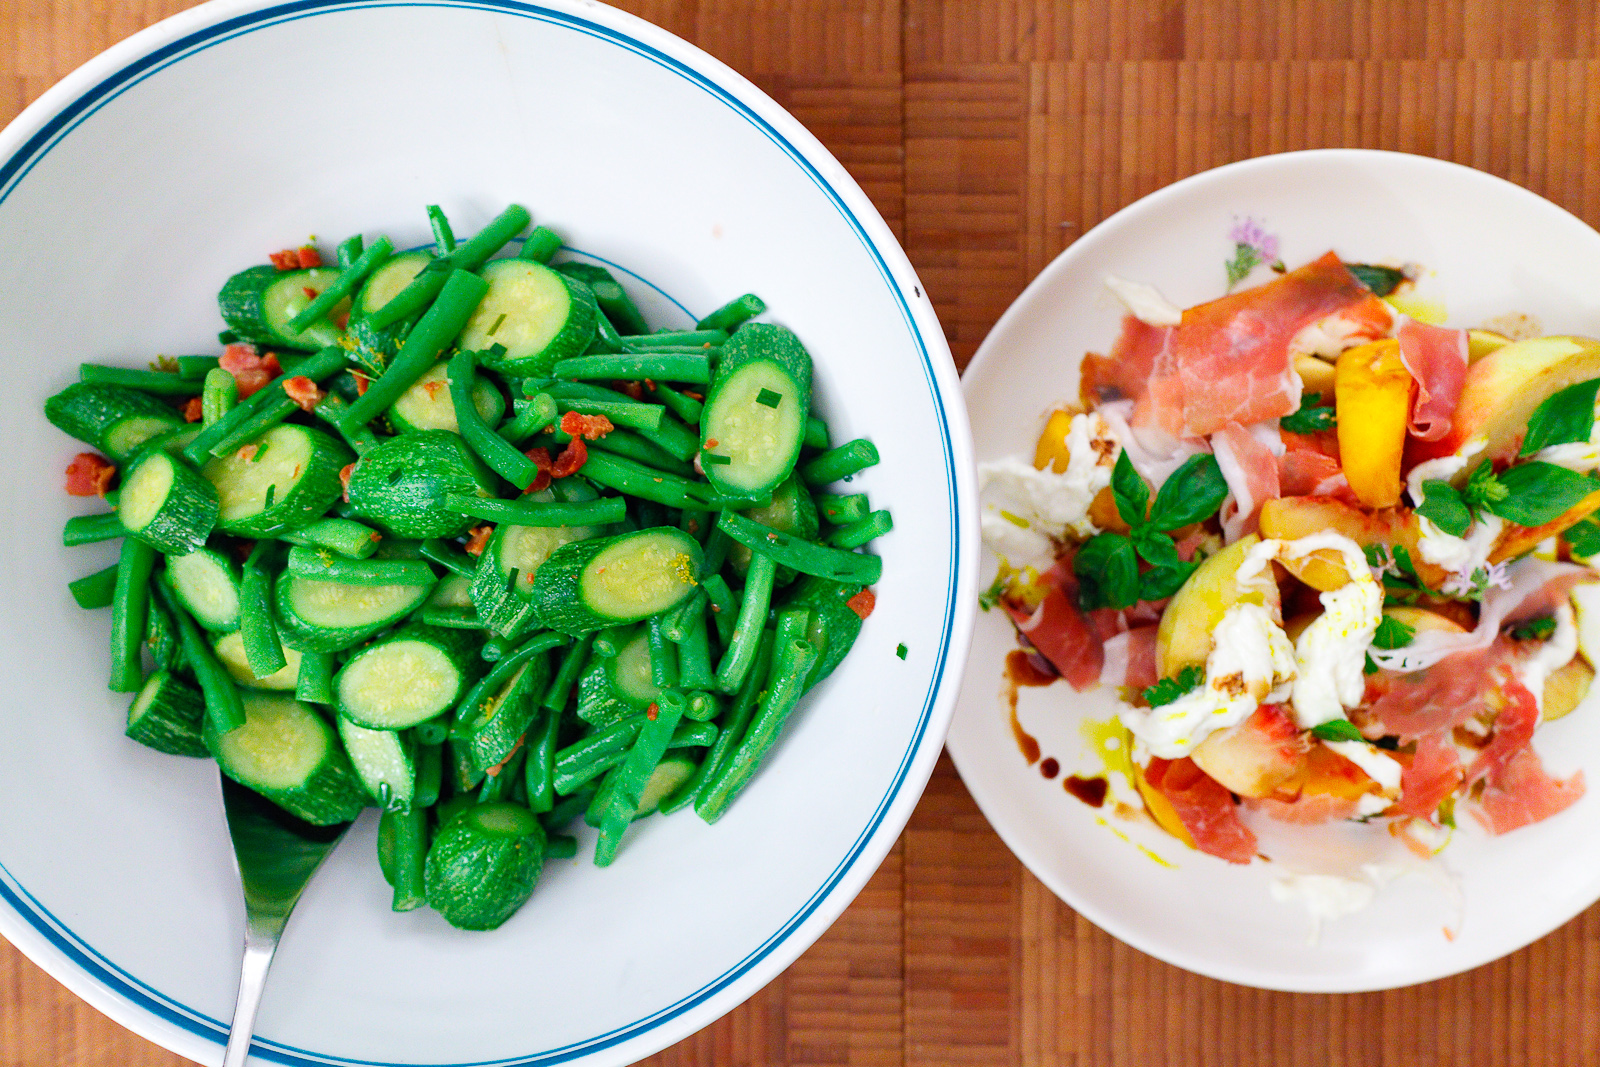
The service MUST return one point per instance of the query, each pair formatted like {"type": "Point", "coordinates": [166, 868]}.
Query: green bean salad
{"type": "Point", "coordinates": [454, 533]}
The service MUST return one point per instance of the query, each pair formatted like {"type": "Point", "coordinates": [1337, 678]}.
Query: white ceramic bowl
{"type": "Point", "coordinates": [130, 191]}
{"type": "Point", "coordinates": [1489, 248]}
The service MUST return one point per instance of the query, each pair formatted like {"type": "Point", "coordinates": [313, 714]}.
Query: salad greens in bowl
{"type": "Point", "coordinates": [496, 526]}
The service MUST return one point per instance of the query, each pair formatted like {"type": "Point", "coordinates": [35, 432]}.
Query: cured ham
{"type": "Point", "coordinates": [1060, 633]}
{"type": "Point", "coordinates": [1251, 471]}
{"type": "Point", "coordinates": [1522, 792]}
{"type": "Point", "coordinates": [1513, 729]}
{"type": "Point", "coordinates": [1437, 359]}
{"type": "Point", "coordinates": [1433, 774]}
{"type": "Point", "coordinates": [1437, 698]}
{"type": "Point", "coordinates": [1204, 807]}
{"type": "Point", "coordinates": [1130, 659]}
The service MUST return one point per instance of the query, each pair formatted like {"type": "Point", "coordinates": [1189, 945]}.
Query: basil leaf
{"type": "Point", "coordinates": [1539, 629]}
{"type": "Point", "coordinates": [1161, 582]}
{"type": "Point", "coordinates": [1381, 280]}
{"type": "Point", "coordinates": [1192, 493]}
{"type": "Point", "coordinates": [1169, 689]}
{"type": "Point", "coordinates": [1130, 492]}
{"type": "Point", "coordinates": [1539, 492]}
{"type": "Point", "coordinates": [1563, 418]}
{"type": "Point", "coordinates": [1442, 506]}
{"type": "Point", "coordinates": [1108, 572]}
{"type": "Point", "coordinates": [1156, 547]}
{"type": "Point", "coordinates": [1337, 730]}
{"type": "Point", "coordinates": [1392, 633]}
{"type": "Point", "coordinates": [1483, 488]}
{"type": "Point", "coordinates": [1584, 538]}
{"type": "Point", "coordinates": [1310, 418]}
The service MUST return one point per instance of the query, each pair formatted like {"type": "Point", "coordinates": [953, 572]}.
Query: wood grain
{"type": "Point", "coordinates": [991, 134]}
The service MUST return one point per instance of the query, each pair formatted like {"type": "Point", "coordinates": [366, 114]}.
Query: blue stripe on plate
{"type": "Point", "coordinates": [15, 169]}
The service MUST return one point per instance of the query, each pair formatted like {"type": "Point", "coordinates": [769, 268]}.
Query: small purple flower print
{"type": "Point", "coordinates": [1252, 246]}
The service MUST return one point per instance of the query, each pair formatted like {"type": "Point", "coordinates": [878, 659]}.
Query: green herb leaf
{"type": "Point", "coordinates": [1310, 418]}
{"type": "Point", "coordinates": [1108, 572]}
{"type": "Point", "coordinates": [1155, 547]}
{"type": "Point", "coordinates": [1584, 537]}
{"type": "Point", "coordinates": [1534, 629]}
{"type": "Point", "coordinates": [1381, 280]}
{"type": "Point", "coordinates": [1483, 488]}
{"type": "Point", "coordinates": [1566, 417]}
{"type": "Point", "coordinates": [1337, 730]}
{"type": "Point", "coordinates": [1130, 492]}
{"type": "Point", "coordinates": [1191, 494]}
{"type": "Point", "coordinates": [713, 460]}
{"type": "Point", "coordinates": [1539, 492]}
{"type": "Point", "coordinates": [991, 596]}
{"type": "Point", "coordinates": [1160, 582]}
{"type": "Point", "coordinates": [1402, 560]}
{"type": "Point", "coordinates": [1377, 556]}
{"type": "Point", "coordinates": [768, 398]}
{"type": "Point", "coordinates": [1245, 259]}
{"type": "Point", "coordinates": [1392, 633]}
{"type": "Point", "coordinates": [901, 650]}
{"type": "Point", "coordinates": [1169, 689]}
{"type": "Point", "coordinates": [1442, 506]}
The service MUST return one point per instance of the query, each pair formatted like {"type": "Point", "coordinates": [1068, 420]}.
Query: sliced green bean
{"type": "Point", "coordinates": [807, 557]}
{"type": "Point", "coordinates": [540, 245]}
{"type": "Point", "coordinates": [613, 299]}
{"type": "Point", "coordinates": [263, 651]}
{"type": "Point", "coordinates": [704, 705]}
{"type": "Point", "coordinates": [349, 250]}
{"type": "Point", "coordinates": [609, 641]}
{"type": "Point", "coordinates": [663, 656]}
{"type": "Point", "coordinates": [444, 238]}
{"type": "Point", "coordinates": [741, 652]}
{"type": "Point", "coordinates": [96, 590]}
{"type": "Point", "coordinates": [223, 708]}
{"type": "Point", "coordinates": [733, 314]}
{"type": "Point", "coordinates": [130, 614]}
{"type": "Point", "coordinates": [218, 395]}
{"type": "Point", "coordinates": [630, 445]}
{"type": "Point", "coordinates": [694, 653]}
{"type": "Point", "coordinates": [321, 565]}
{"type": "Point", "coordinates": [556, 696]}
{"type": "Point", "coordinates": [630, 366]}
{"type": "Point", "coordinates": [410, 853]}
{"type": "Point", "coordinates": [458, 297]}
{"type": "Point", "coordinates": [496, 648]}
{"type": "Point", "coordinates": [724, 608]}
{"type": "Point", "coordinates": [449, 556]}
{"type": "Point", "coordinates": [489, 446]}
{"type": "Point", "coordinates": [263, 410]}
{"type": "Point", "coordinates": [635, 770]}
{"type": "Point", "coordinates": [716, 550]}
{"type": "Point", "coordinates": [734, 725]}
{"type": "Point", "coordinates": [344, 536]}
{"type": "Point", "coordinates": [538, 773]}
{"type": "Point", "coordinates": [560, 847]}
{"type": "Point", "coordinates": [836, 464]}
{"type": "Point", "coordinates": [450, 618]}
{"type": "Point", "coordinates": [680, 404]}
{"type": "Point", "coordinates": [429, 773]}
{"type": "Point", "coordinates": [159, 382]}
{"type": "Point", "coordinates": [842, 510]}
{"type": "Point", "coordinates": [195, 368]}
{"type": "Point", "coordinates": [330, 409]}
{"type": "Point", "coordinates": [675, 622]}
{"type": "Point", "coordinates": [433, 732]}
{"type": "Point", "coordinates": [532, 415]}
{"type": "Point", "coordinates": [628, 414]}
{"type": "Point", "coordinates": [600, 512]}
{"type": "Point", "coordinates": [675, 339]}
{"type": "Point", "coordinates": [635, 479]}
{"type": "Point", "coordinates": [858, 533]}
{"type": "Point", "coordinates": [428, 285]}
{"type": "Point", "coordinates": [816, 435]}
{"type": "Point", "coordinates": [345, 284]}
{"type": "Point", "coordinates": [90, 529]}
{"type": "Point", "coordinates": [314, 683]}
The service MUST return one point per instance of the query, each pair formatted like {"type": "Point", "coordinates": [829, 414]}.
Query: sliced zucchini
{"type": "Point", "coordinates": [207, 583]}
{"type": "Point", "coordinates": [483, 865]}
{"type": "Point", "coordinates": [669, 774]}
{"type": "Point", "coordinates": [375, 348]}
{"type": "Point", "coordinates": [615, 687]}
{"type": "Point", "coordinates": [402, 483]}
{"type": "Point", "coordinates": [258, 303]}
{"type": "Point", "coordinates": [165, 504]}
{"type": "Point", "coordinates": [506, 715]}
{"type": "Point", "coordinates": [385, 762]}
{"type": "Point", "coordinates": [537, 314]}
{"type": "Point", "coordinates": [407, 678]}
{"type": "Point", "coordinates": [834, 625]}
{"type": "Point", "coordinates": [755, 414]}
{"type": "Point", "coordinates": [110, 418]}
{"type": "Point", "coordinates": [792, 511]}
{"type": "Point", "coordinates": [603, 581]}
{"type": "Point", "coordinates": [166, 715]}
{"type": "Point", "coordinates": [285, 478]}
{"type": "Point", "coordinates": [289, 754]}
{"type": "Point", "coordinates": [427, 405]}
{"type": "Point", "coordinates": [230, 653]}
{"type": "Point", "coordinates": [382, 285]}
{"type": "Point", "coordinates": [514, 554]}
{"type": "Point", "coordinates": [329, 616]}
{"type": "Point", "coordinates": [612, 299]}
{"type": "Point", "coordinates": [453, 591]}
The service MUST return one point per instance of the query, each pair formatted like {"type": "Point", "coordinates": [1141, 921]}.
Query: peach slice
{"type": "Point", "coordinates": [1482, 342]}
{"type": "Point", "coordinates": [1516, 540]}
{"type": "Point", "coordinates": [1292, 517]}
{"type": "Point", "coordinates": [1161, 809]}
{"type": "Point", "coordinates": [1316, 375]}
{"type": "Point", "coordinates": [1051, 451]}
{"type": "Point", "coordinates": [1184, 636]}
{"type": "Point", "coordinates": [1326, 773]}
{"type": "Point", "coordinates": [1372, 393]}
{"type": "Point", "coordinates": [1566, 688]}
{"type": "Point", "coordinates": [1501, 391]}
{"type": "Point", "coordinates": [1422, 620]}
{"type": "Point", "coordinates": [1256, 757]}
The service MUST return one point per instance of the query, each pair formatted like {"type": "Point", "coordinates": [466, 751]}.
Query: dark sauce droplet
{"type": "Point", "coordinates": [1050, 768]}
{"type": "Point", "coordinates": [1092, 791]}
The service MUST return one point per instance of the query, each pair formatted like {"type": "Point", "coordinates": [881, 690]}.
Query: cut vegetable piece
{"type": "Point", "coordinates": [407, 678]}
{"type": "Point", "coordinates": [401, 485]}
{"type": "Point", "coordinates": [833, 626]}
{"type": "Point", "coordinates": [166, 504]}
{"type": "Point", "coordinates": [591, 584]}
{"type": "Point", "coordinates": [258, 303]}
{"type": "Point", "coordinates": [537, 314]}
{"type": "Point", "coordinates": [383, 760]}
{"type": "Point", "coordinates": [1373, 390]}
{"type": "Point", "coordinates": [386, 282]}
{"type": "Point", "coordinates": [755, 415]}
{"type": "Point", "coordinates": [329, 616]}
{"type": "Point", "coordinates": [230, 653]}
{"type": "Point", "coordinates": [167, 715]}
{"type": "Point", "coordinates": [483, 865]}
{"type": "Point", "coordinates": [289, 754]}
{"type": "Point", "coordinates": [427, 405]}
{"type": "Point", "coordinates": [110, 418]}
{"type": "Point", "coordinates": [792, 511]}
{"type": "Point", "coordinates": [207, 583]}
{"type": "Point", "coordinates": [504, 580]}
{"type": "Point", "coordinates": [668, 776]}
{"type": "Point", "coordinates": [287, 477]}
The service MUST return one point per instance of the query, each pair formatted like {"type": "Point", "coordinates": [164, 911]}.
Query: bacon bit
{"type": "Point", "coordinates": [194, 409]}
{"type": "Point", "coordinates": [650, 384]}
{"type": "Point", "coordinates": [362, 381]}
{"type": "Point", "coordinates": [241, 550]}
{"type": "Point", "coordinates": [541, 460]}
{"type": "Point", "coordinates": [633, 389]}
{"type": "Point", "coordinates": [693, 396]}
{"type": "Point", "coordinates": [652, 711]}
{"type": "Point", "coordinates": [251, 371]}
{"type": "Point", "coordinates": [344, 479]}
{"type": "Point", "coordinates": [494, 772]}
{"type": "Point", "coordinates": [572, 458]}
{"type": "Point", "coordinates": [89, 474]}
{"type": "Point", "coordinates": [303, 391]}
{"type": "Point", "coordinates": [589, 427]}
{"type": "Point", "coordinates": [311, 294]}
{"type": "Point", "coordinates": [342, 319]}
{"type": "Point", "coordinates": [862, 603]}
{"type": "Point", "coordinates": [248, 452]}
{"type": "Point", "coordinates": [433, 386]}
{"type": "Point", "coordinates": [309, 257]}
{"type": "Point", "coordinates": [478, 538]}
{"type": "Point", "coordinates": [712, 442]}
{"type": "Point", "coordinates": [303, 258]}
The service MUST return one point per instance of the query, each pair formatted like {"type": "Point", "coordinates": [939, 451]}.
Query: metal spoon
{"type": "Point", "coordinates": [277, 856]}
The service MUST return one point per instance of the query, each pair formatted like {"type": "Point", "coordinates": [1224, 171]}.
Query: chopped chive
{"type": "Point", "coordinates": [900, 650]}
{"type": "Point", "coordinates": [497, 324]}
{"type": "Point", "coordinates": [714, 460]}
{"type": "Point", "coordinates": [768, 398]}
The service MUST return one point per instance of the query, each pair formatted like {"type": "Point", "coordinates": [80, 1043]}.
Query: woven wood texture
{"type": "Point", "coordinates": [991, 134]}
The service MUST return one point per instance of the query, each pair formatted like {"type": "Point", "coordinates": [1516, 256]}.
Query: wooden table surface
{"type": "Point", "coordinates": [991, 133]}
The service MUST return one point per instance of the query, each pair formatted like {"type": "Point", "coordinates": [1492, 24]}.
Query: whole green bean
{"type": "Point", "coordinates": [675, 339]}
{"type": "Point", "coordinates": [816, 435]}
{"type": "Point", "coordinates": [584, 760]}
{"type": "Point", "coordinates": [635, 479]}
{"type": "Point", "coordinates": [330, 409]}
{"type": "Point", "coordinates": [449, 556]}
{"type": "Point", "coordinates": [489, 446]}
{"type": "Point", "coordinates": [470, 710]}
{"type": "Point", "coordinates": [716, 551]}
{"type": "Point", "coordinates": [835, 464]}
{"type": "Point", "coordinates": [129, 614]}
{"type": "Point", "coordinates": [344, 536]}
{"type": "Point", "coordinates": [555, 697]}
{"type": "Point", "coordinates": [663, 656]}
{"type": "Point", "coordinates": [626, 414]}
{"type": "Point", "coordinates": [263, 651]}
{"type": "Point", "coordinates": [635, 770]}
{"type": "Point", "coordinates": [90, 529]}
{"type": "Point", "coordinates": [606, 338]}
{"type": "Point", "coordinates": [428, 284]}
{"type": "Point", "coordinates": [195, 368]}
{"type": "Point", "coordinates": [842, 510]}
{"type": "Point", "coordinates": [671, 436]}
{"type": "Point", "coordinates": [858, 533]}
{"type": "Point", "coordinates": [252, 417]}
{"type": "Point", "coordinates": [807, 557]}
{"type": "Point", "coordinates": [314, 683]}
{"type": "Point", "coordinates": [680, 404]}
{"type": "Point", "coordinates": [458, 297]}
{"type": "Point", "coordinates": [532, 414]}
{"type": "Point", "coordinates": [96, 590]}
{"type": "Point", "coordinates": [540, 245]}
{"type": "Point", "coordinates": [741, 652]}
{"type": "Point", "coordinates": [433, 732]}
{"type": "Point", "coordinates": [410, 853]}
{"type": "Point", "coordinates": [630, 366]}
{"type": "Point", "coordinates": [162, 383]}
{"type": "Point", "coordinates": [223, 708]}
{"type": "Point", "coordinates": [613, 299]}
{"type": "Point", "coordinates": [629, 445]}
{"type": "Point", "coordinates": [694, 653]}
{"type": "Point", "coordinates": [539, 771]}
{"type": "Point", "coordinates": [444, 238]}
{"type": "Point", "coordinates": [733, 314]}
{"type": "Point", "coordinates": [319, 564]}
{"type": "Point", "coordinates": [345, 284]}
{"type": "Point", "coordinates": [675, 622]}
{"type": "Point", "coordinates": [349, 250]}
{"type": "Point", "coordinates": [560, 847]}
{"type": "Point", "coordinates": [429, 774]}
{"type": "Point", "coordinates": [450, 618]}
{"type": "Point", "coordinates": [218, 395]}
{"type": "Point", "coordinates": [601, 512]}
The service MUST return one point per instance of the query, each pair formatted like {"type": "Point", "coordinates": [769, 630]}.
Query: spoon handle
{"type": "Point", "coordinates": [252, 979]}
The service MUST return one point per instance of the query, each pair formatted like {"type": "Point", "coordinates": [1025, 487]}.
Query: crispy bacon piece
{"type": "Point", "coordinates": [571, 460]}
{"type": "Point", "coordinates": [362, 381]}
{"type": "Point", "coordinates": [589, 427]}
{"type": "Point", "coordinates": [194, 409]}
{"type": "Point", "coordinates": [478, 538]}
{"type": "Point", "coordinates": [541, 460]}
{"type": "Point", "coordinates": [248, 452]}
{"type": "Point", "coordinates": [303, 391]}
{"type": "Point", "coordinates": [1204, 807]}
{"type": "Point", "coordinates": [89, 474]}
{"type": "Point", "coordinates": [494, 772]}
{"type": "Point", "coordinates": [862, 603]}
{"type": "Point", "coordinates": [634, 389]}
{"type": "Point", "coordinates": [303, 258]}
{"type": "Point", "coordinates": [251, 371]}
{"type": "Point", "coordinates": [344, 479]}
{"type": "Point", "coordinates": [1437, 359]}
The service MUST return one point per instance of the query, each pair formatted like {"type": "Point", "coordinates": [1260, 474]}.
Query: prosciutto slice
{"type": "Point", "coordinates": [1522, 792]}
{"type": "Point", "coordinates": [1131, 659]}
{"type": "Point", "coordinates": [1438, 698]}
{"type": "Point", "coordinates": [1434, 773]}
{"type": "Point", "coordinates": [1251, 471]}
{"type": "Point", "coordinates": [1437, 359]}
{"type": "Point", "coordinates": [1060, 633]}
{"type": "Point", "coordinates": [1204, 807]}
{"type": "Point", "coordinates": [1513, 729]}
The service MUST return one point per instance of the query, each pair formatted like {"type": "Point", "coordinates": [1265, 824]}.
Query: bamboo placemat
{"type": "Point", "coordinates": [991, 135]}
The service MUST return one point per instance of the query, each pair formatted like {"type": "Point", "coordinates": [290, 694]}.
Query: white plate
{"type": "Point", "coordinates": [130, 191]}
{"type": "Point", "coordinates": [1489, 248]}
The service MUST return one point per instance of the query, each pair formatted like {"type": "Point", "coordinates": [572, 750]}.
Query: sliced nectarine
{"type": "Point", "coordinates": [1481, 343]}
{"type": "Point", "coordinates": [1516, 540]}
{"type": "Point", "coordinates": [1051, 451]}
{"type": "Point", "coordinates": [1566, 688]}
{"type": "Point", "coordinates": [1372, 391]}
{"type": "Point", "coordinates": [1256, 757]}
{"type": "Point", "coordinates": [1326, 773]}
{"type": "Point", "coordinates": [1184, 636]}
{"type": "Point", "coordinates": [1316, 375]}
{"type": "Point", "coordinates": [1292, 517]}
